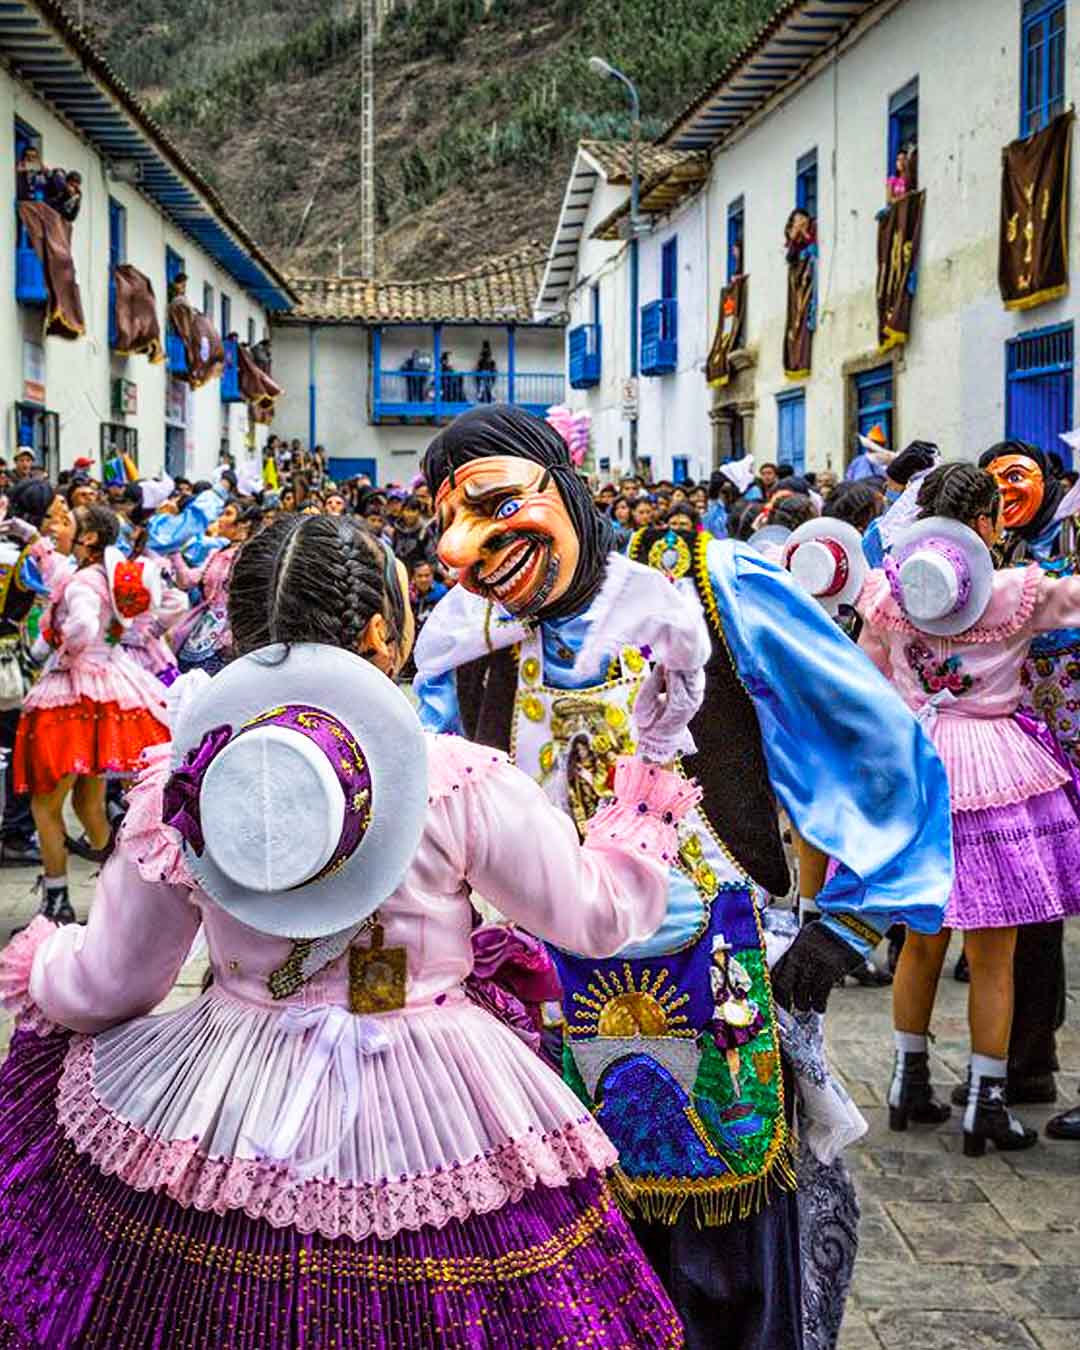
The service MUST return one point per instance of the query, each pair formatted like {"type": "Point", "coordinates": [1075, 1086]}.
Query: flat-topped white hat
{"type": "Point", "coordinates": [825, 556]}
{"type": "Point", "coordinates": [299, 787]}
{"type": "Point", "coordinates": [941, 575]}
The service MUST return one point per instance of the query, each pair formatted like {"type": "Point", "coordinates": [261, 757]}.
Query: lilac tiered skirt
{"type": "Point", "coordinates": [87, 1261]}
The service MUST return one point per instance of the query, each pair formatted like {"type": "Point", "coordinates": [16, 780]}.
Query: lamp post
{"type": "Point", "coordinates": [606, 71]}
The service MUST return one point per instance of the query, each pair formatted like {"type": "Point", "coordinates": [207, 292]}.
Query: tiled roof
{"type": "Point", "coordinates": [662, 190]}
{"type": "Point", "coordinates": [798, 33]}
{"type": "Point", "coordinates": [499, 291]}
{"type": "Point", "coordinates": [615, 159]}
{"type": "Point", "coordinates": [35, 39]}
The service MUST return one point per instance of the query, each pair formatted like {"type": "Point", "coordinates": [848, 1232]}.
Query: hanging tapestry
{"type": "Point", "coordinates": [899, 232]}
{"type": "Point", "coordinates": [50, 238]}
{"type": "Point", "coordinates": [203, 347]}
{"type": "Point", "coordinates": [260, 391]}
{"type": "Point", "coordinates": [137, 330]}
{"type": "Point", "coordinates": [801, 316]}
{"type": "Point", "coordinates": [1033, 258]}
{"type": "Point", "coordinates": [729, 331]}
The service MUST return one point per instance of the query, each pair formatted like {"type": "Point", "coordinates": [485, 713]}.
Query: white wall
{"type": "Point", "coordinates": [79, 375]}
{"type": "Point", "coordinates": [342, 372]}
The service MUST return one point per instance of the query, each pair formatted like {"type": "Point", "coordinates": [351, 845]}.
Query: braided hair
{"type": "Point", "coordinates": [313, 579]}
{"type": "Point", "coordinates": [960, 492]}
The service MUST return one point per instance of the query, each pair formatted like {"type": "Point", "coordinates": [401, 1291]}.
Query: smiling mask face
{"type": "Point", "coordinates": [505, 529]}
{"type": "Point", "coordinates": [1021, 482]}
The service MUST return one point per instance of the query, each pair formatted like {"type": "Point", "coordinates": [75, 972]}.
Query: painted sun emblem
{"type": "Point", "coordinates": [625, 1007]}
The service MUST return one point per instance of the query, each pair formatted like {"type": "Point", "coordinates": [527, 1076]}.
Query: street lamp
{"type": "Point", "coordinates": [606, 71]}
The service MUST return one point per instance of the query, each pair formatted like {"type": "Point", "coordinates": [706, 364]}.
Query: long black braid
{"type": "Point", "coordinates": [960, 492]}
{"type": "Point", "coordinates": [312, 579]}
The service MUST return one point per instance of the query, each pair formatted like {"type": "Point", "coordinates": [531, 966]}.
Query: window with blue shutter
{"type": "Point", "coordinates": [736, 238]}
{"type": "Point", "coordinates": [791, 424]}
{"type": "Point", "coordinates": [806, 186]}
{"type": "Point", "coordinates": [1042, 64]}
{"type": "Point", "coordinates": [117, 255]}
{"type": "Point", "coordinates": [874, 404]}
{"type": "Point", "coordinates": [1039, 388]}
{"type": "Point", "coordinates": [903, 121]}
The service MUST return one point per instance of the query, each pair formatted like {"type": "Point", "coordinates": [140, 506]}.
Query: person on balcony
{"type": "Point", "coordinates": [31, 176]}
{"type": "Point", "coordinates": [63, 192]}
{"type": "Point", "coordinates": [485, 374]}
{"type": "Point", "coordinates": [453, 385]}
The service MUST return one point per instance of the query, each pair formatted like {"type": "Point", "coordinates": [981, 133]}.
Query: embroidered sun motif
{"type": "Point", "coordinates": [614, 1006]}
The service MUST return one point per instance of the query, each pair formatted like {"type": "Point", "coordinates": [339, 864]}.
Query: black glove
{"type": "Point", "coordinates": [805, 975]}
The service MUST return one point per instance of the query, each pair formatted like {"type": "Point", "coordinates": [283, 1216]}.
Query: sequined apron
{"type": "Point", "coordinates": [643, 1039]}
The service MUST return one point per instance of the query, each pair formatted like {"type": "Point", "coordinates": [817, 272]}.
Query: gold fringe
{"type": "Point", "coordinates": [1039, 297]}
{"type": "Point", "coordinates": [714, 1201]}
{"type": "Point", "coordinates": [893, 338]}
{"type": "Point", "coordinates": [797, 374]}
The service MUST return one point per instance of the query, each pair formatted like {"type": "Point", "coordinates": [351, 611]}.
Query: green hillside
{"type": "Point", "coordinates": [478, 107]}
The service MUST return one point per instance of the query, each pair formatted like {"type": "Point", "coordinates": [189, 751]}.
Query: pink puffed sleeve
{"type": "Point", "coordinates": [186, 576]}
{"type": "Point", "coordinates": [82, 617]}
{"type": "Point", "coordinates": [523, 855]}
{"type": "Point", "coordinates": [127, 958]}
{"type": "Point", "coordinates": [1057, 604]}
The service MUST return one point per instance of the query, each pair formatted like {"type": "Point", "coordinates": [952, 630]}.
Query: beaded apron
{"type": "Point", "coordinates": [673, 1042]}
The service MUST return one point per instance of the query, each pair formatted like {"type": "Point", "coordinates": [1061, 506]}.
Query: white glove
{"type": "Point", "coordinates": [667, 702]}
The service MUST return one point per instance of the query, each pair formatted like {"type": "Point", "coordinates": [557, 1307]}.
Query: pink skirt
{"type": "Point", "coordinates": [1016, 864]}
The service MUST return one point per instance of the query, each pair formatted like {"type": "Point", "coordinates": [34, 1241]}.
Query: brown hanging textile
{"type": "Point", "coordinates": [729, 331]}
{"type": "Point", "coordinates": [798, 329]}
{"type": "Point", "coordinates": [256, 385]}
{"type": "Point", "coordinates": [899, 233]}
{"type": "Point", "coordinates": [50, 237]}
{"type": "Point", "coordinates": [203, 347]}
{"type": "Point", "coordinates": [1033, 256]}
{"type": "Point", "coordinates": [138, 331]}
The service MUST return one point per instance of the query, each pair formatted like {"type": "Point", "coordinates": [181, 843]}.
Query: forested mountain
{"type": "Point", "coordinates": [478, 106]}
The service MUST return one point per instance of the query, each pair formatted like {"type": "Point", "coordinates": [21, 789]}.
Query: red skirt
{"type": "Point", "coordinates": [84, 738]}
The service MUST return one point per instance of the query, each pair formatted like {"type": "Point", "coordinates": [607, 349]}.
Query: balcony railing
{"type": "Point", "coordinates": [660, 337]}
{"type": "Point", "coordinates": [434, 395]}
{"type": "Point", "coordinates": [29, 274]}
{"type": "Point", "coordinates": [584, 344]}
{"type": "Point", "coordinates": [230, 376]}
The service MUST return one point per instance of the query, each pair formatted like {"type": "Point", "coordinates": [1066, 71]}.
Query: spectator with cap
{"type": "Point", "coordinates": [24, 463]}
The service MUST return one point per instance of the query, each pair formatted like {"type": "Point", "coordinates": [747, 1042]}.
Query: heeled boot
{"type": "Point", "coordinates": [911, 1094]}
{"type": "Point", "coordinates": [986, 1116]}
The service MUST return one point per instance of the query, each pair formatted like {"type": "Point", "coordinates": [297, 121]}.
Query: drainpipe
{"type": "Point", "coordinates": [313, 344]}
{"type": "Point", "coordinates": [634, 347]}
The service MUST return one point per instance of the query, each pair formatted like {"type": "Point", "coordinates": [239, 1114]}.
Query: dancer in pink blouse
{"type": "Point", "coordinates": [332, 1144]}
{"type": "Point", "coordinates": [952, 634]}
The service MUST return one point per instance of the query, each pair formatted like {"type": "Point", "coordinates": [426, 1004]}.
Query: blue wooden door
{"type": "Point", "coordinates": [791, 418]}
{"type": "Point", "coordinates": [1039, 388]}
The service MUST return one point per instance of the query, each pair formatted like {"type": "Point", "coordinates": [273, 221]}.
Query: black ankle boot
{"type": "Point", "coordinates": [911, 1094]}
{"type": "Point", "coordinates": [987, 1117]}
{"type": "Point", "coordinates": [56, 906]}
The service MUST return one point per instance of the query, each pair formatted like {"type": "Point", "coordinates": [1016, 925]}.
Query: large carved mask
{"type": "Point", "coordinates": [1022, 488]}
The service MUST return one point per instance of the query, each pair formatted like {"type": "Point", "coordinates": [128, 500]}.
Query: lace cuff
{"type": "Point", "coordinates": [16, 963]}
{"type": "Point", "coordinates": [153, 846]}
{"type": "Point", "coordinates": [649, 803]}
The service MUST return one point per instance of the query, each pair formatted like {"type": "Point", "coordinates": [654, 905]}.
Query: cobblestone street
{"type": "Point", "coordinates": [955, 1253]}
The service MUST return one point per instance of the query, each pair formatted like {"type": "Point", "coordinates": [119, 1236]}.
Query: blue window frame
{"type": "Point", "coordinates": [680, 468]}
{"type": "Point", "coordinates": [1039, 387]}
{"type": "Point", "coordinates": [594, 304]}
{"type": "Point", "coordinates": [208, 301]}
{"type": "Point", "coordinates": [175, 355]}
{"type": "Point", "coordinates": [174, 265]}
{"type": "Point", "coordinates": [903, 121]}
{"type": "Point", "coordinates": [30, 286]}
{"type": "Point", "coordinates": [1042, 63]}
{"type": "Point", "coordinates": [669, 270]}
{"type": "Point", "coordinates": [736, 237]}
{"type": "Point", "coordinates": [806, 188]}
{"type": "Point", "coordinates": [791, 429]}
{"type": "Point", "coordinates": [117, 255]}
{"type": "Point", "coordinates": [226, 315]}
{"type": "Point", "coordinates": [874, 403]}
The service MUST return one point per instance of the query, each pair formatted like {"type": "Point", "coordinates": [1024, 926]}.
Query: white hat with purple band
{"type": "Point", "coordinates": [941, 575]}
{"type": "Point", "coordinates": [299, 788]}
{"type": "Point", "coordinates": [825, 556]}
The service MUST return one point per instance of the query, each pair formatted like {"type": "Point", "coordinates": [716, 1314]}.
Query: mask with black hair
{"type": "Point", "coordinates": [516, 520]}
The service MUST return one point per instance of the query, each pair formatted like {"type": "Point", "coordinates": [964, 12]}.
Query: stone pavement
{"type": "Point", "coordinates": [955, 1253]}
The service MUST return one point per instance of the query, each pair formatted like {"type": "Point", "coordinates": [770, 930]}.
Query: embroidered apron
{"type": "Point", "coordinates": [683, 1076]}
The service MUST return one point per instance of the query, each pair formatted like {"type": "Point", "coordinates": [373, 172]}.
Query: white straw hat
{"type": "Point", "coordinates": [825, 556]}
{"type": "Point", "coordinates": [300, 789]}
{"type": "Point", "coordinates": [941, 574]}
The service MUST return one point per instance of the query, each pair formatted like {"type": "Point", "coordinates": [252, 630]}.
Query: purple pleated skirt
{"type": "Point", "coordinates": [1016, 864]}
{"type": "Point", "coordinates": [87, 1262]}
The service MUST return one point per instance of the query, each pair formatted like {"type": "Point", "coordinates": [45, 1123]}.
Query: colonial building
{"type": "Point", "coordinates": [373, 368]}
{"type": "Point", "coordinates": [934, 306]}
{"type": "Point", "coordinates": [142, 204]}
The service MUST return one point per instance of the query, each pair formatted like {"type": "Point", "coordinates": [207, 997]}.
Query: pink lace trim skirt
{"type": "Point", "coordinates": [87, 1261]}
{"type": "Point", "coordinates": [1016, 864]}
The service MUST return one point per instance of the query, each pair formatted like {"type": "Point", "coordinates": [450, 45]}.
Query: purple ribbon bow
{"type": "Point", "coordinates": [180, 800]}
